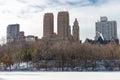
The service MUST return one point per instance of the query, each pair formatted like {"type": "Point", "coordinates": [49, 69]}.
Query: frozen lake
{"type": "Point", "coordinates": [59, 76]}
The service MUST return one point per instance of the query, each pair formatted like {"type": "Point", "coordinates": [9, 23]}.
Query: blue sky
{"type": "Point", "coordinates": [29, 14]}
{"type": "Point", "coordinates": [94, 1]}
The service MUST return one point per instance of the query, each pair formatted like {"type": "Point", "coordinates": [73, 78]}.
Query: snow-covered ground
{"type": "Point", "coordinates": [107, 65]}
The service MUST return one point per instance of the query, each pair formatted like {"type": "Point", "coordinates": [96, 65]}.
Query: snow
{"type": "Point", "coordinates": [59, 76]}
{"type": "Point", "coordinates": [103, 65]}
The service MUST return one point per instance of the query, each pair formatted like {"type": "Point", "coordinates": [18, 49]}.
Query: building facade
{"type": "Point", "coordinates": [106, 29]}
{"type": "Point", "coordinates": [48, 25]}
{"type": "Point", "coordinates": [63, 25]}
{"type": "Point", "coordinates": [21, 36]}
{"type": "Point", "coordinates": [12, 32]}
{"type": "Point", "coordinates": [76, 31]}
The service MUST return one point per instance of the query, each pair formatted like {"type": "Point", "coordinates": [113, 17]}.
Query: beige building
{"type": "Point", "coordinates": [63, 25]}
{"type": "Point", "coordinates": [48, 23]}
{"type": "Point", "coordinates": [63, 28]}
{"type": "Point", "coordinates": [76, 31]}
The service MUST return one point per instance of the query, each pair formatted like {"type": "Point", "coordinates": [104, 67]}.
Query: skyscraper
{"type": "Point", "coordinates": [63, 25]}
{"type": "Point", "coordinates": [48, 25]}
{"type": "Point", "coordinates": [12, 32]}
{"type": "Point", "coordinates": [76, 31]}
{"type": "Point", "coordinates": [107, 29]}
{"type": "Point", "coordinates": [63, 28]}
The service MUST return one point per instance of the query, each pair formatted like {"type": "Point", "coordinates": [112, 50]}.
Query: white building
{"type": "Point", "coordinates": [30, 38]}
{"type": "Point", "coordinates": [108, 29]}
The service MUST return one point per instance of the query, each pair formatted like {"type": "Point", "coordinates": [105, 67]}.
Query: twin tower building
{"type": "Point", "coordinates": [63, 28]}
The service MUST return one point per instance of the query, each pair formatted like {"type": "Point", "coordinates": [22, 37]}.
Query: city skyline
{"type": "Point", "coordinates": [29, 14]}
{"type": "Point", "coordinates": [63, 28]}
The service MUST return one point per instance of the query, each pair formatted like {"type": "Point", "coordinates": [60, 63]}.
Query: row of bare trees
{"type": "Point", "coordinates": [59, 55]}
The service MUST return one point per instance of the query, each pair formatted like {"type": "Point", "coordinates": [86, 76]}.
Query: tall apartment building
{"type": "Point", "coordinates": [63, 25]}
{"type": "Point", "coordinates": [106, 29]}
{"type": "Point", "coordinates": [63, 28]}
{"type": "Point", "coordinates": [12, 32]}
{"type": "Point", "coordinates": [48, 25]}
{"type": "Point", "coordinates": [76, 31]}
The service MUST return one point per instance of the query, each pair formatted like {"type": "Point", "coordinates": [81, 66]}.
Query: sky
{"type": "Point", "coordinates": [29, 14]}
